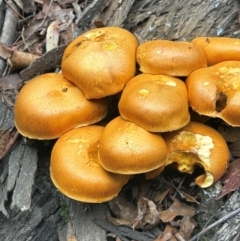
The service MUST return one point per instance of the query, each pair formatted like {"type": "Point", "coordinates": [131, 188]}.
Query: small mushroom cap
{"type": "Point", "coordinates": [101, 61]}
{"type": "Point", "coordinates": [201, 145]}
{"type": "Point", "coordinates": [218, 49]}
{"type": "Point", "coordinates": [75, 169]}
{"type": "Point", "coordinates": [154, 173]}
{"type": "Point", "coordinates": [219, 86]}
{"type": "Point", "coordinates": [127, 148]}
{"type": "Point", "coordinates": [169, 57]}
{"type": "Point", "coordinates": [49, 105]}
{"type": "Point", "coordinates": [157, 103]}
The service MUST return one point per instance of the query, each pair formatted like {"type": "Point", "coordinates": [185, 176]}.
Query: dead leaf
{"type": "Point", "coordinates": [123, 209]}
{"type": "Point", "coordinates": [65, 17]}
{"type": "Point", "coordinates": [119, 222]}
{"type": "Point", "coordinates": [176, 209]}
{"type": "Point", "coordinates": [231, 179]}
{"type": "Point", "coordinates": [188, 197]}
{"type": "Point", "coordinates": [28, 6]}
{"type": "Point", "coordinates": [7, 140]}
{"type": "Point", "coordinates": [168, 234]}
{"type": "Point", "coordinates": [5, 51]}
{"type": "Point", "coordinates": [52, 36]}
{"type": "Point", "coordinates": [9, 87]}
{"type": "Point", "coordinates": [187, 227]}
{"type": "Point", "coordinates": [48, 9]}
{"type": "Point", "coordinates": [159, 198]}
{"type": "Point", "coordinates": [10, 82]}
{"type": "Point", "coordinates": [21, 60]}
{"type": "Point", "coordinates": [151, 218]}
{"type": "Point", "coordinates": [148, 216]}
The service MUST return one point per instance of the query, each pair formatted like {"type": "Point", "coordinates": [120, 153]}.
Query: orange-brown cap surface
{"type": "Point", "coordinates": [215, 91]}
{"type": "Point", "coordinates": [75, 168]}
{"type": "Point", "coordinates": [49, 105]}
{"type": "Point", "coordinates": [157, 103]}
{"type": "Point", "coordinates": [218, 49]}
{"type": "Point", "coordinates": [129, 149]}
{"type": "Point", "coordinates": [101, 61]}
{"type": "Point", "coordinates": [169, 57]}
{"type": "Point", "coordinates": [198, 145]}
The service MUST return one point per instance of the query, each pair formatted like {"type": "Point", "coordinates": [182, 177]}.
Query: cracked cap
{"type": "Point", "coordinates": [219, 86]}
{"type": "Point", "coordinates": [200, 145]}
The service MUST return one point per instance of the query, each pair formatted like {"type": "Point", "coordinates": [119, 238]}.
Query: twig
{"type": "Point", "coordinates": [177, 188]}
{"type": "Point", "coordinates": [207, 223]}
{"type": "Point", "coordinates": [235, 212]}
{"type": "Point", "coordinates": [40, 25]}
{"type": "Point", "coordinates": [14, 10]}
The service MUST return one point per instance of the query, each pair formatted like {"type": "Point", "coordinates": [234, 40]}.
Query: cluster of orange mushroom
{"type": "Point", "coordinates": [91, 162]}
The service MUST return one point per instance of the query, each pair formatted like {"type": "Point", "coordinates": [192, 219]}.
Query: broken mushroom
{"type": "Point", "coordinates": [75, 169]}
{"type": "Point", "coordinates": [169, 57]}
{"type": "Point", "coordinates": [49, 105]}
{"type": "Point", "coordinates": [157, 103]}
{"type": "Point", "coordinates": [197, 144]}
{"type": "Point", "coordinates": [215, 91]}
{"type": "Point", "coordinates": [101, 61]}
{"type": "Point", "coordinates": [126, 148]}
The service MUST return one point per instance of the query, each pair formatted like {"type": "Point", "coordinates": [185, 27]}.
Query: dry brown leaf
{"type": "Point", "coordinates": [151, 218]}
{"type": "Point", "coordinates": [148, 216]}
{"type": "Point", "coordinates": [5, 51]}
{"type": "Point", "coordinates": [188, 197]}
{"type": "Point", "coordinates": [9, 87]}
{"type": "Point", "coordinates": [7, 140]}
{"type": "Point", "coordinates": [176, 209]}
{"type": "Point", "coordinates": [65, 16]}
{"type": "Point", "coordinates": [21, 60]}
{"type": "Point", "coordinates": [47, 9]}
{"type": "Point", "coordinates": [10, 82]}
{"type": "Point", "coordinates": [123, 209]}
{"type": "Point", "coordinates": [28, 6]}
{"type": "Point", "coordinates": [231, 179]}
{"type": "Point", "coordinates": [168, 234]}
{"type": "Point", "coordinates": [159, 198]}
{"type": "Point", "coordinates": [119, 221]}
{"type": "Point", "coordinates": [33, 27]}
{"type": "Point", "coordinates": [187, 227]}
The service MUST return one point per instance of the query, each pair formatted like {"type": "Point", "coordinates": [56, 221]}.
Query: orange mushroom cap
{"type": "Point", "coordinates": [49, 105]}
{"type": "Point", "coordinates": [127, 148]}
{"type": "Point", "coordinates": [201, 145]}
{"type": "Point", "coordinates": [215, 91]}
{"type": "Point", "coordinates": [218, 49]}
{"type": "Point", "coordinates": [169, 57]}
{"type": "Point", "coordinates": [157, 103]}
{"type": "Point", "coordinates": [101, 61]}
{"type": "Point", "coordinates": [75, 169]}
